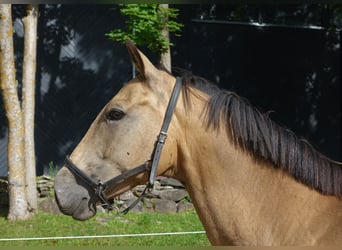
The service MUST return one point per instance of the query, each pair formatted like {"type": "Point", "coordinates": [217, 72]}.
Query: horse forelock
{"type": "Point", "coordinates": [255, 133]}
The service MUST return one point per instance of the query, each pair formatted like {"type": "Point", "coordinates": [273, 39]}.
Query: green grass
{"type": "Point", "coordinates": [49, 225]}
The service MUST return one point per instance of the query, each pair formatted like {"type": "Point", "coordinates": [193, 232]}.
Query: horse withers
{"type": "Point", "coordinates": [251, 181]}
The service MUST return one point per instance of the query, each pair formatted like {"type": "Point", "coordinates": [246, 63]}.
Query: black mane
{"type": "Point", "coordinates": [257, 134]}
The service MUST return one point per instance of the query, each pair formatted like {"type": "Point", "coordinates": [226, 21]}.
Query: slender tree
{"type": "Point", "coordinates": [18, 208]}
{"type": "Point", "coordinates": [29, 73]}
{"type": "Point", "coordinates": [165, 58]}
{"type": "Point", "coordinates": [21, 156]}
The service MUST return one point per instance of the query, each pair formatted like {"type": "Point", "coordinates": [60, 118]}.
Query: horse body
{"type": "Point", "coordinates": [241, 198]}
{"type": "Point", "coordinates": [243, 202]}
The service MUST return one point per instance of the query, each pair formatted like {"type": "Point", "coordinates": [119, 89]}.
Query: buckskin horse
{"type": "Point", "coordinates": [252, 182]}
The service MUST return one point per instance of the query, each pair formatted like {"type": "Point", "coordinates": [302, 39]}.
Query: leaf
{"type": "Point", "coordinates": [144, 25]}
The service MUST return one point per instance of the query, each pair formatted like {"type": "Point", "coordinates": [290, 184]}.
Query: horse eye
{"type": "Point", "coordinates": [114, 115]}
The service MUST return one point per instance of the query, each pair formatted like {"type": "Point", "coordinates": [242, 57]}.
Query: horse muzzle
{"type": "Point", "coordinates": [73, 199]}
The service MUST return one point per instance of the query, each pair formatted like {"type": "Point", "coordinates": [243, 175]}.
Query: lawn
{"type": "Point", "coordinates": [52, 225]}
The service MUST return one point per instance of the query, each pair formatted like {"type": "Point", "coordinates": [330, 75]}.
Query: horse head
{"type": "Point", "coordinates": [121, 137]}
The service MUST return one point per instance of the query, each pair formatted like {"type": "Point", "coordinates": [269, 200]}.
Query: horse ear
{"type": "Point", "coordinates": [141, 62]}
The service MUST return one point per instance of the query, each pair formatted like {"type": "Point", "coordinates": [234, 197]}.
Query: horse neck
{"type": "Point", "coordinates": [239, 200]}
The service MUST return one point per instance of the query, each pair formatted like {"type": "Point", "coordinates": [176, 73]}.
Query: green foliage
{"type": "Point", "coordinates": [144, 26]}
{"type": "Point", "coordinates": [50, 225]}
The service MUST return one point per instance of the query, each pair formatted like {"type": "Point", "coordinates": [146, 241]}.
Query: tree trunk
{"type": "Point", "coordinates": [29, 73]}
{"type": "Point", "coordinates": [165, 58]}
{"type": "Point", "coordinates": [18, 208]}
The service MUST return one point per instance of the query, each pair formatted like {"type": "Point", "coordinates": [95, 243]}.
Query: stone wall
{"type": "Point", "coordinates": [169, 195]}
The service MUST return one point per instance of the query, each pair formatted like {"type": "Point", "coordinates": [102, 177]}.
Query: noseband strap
{"type": "Point", "coordinates": [99, 188]}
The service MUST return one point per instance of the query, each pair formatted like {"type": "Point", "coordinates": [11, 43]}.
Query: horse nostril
{"type": "Point", "coordinates": [84, 198]}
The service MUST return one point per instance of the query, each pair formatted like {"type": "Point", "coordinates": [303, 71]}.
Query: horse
{"type": "Point", "coordinates": [252, 181]}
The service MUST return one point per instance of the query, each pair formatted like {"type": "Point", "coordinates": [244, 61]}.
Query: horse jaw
{"type": "Point", "coordinates": [73, 199]}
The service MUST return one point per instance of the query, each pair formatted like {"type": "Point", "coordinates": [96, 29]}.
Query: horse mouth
{"type": "Point", "coordinates": [84, 211]}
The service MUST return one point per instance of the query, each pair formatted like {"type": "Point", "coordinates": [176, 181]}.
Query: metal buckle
{"type": "Point", "coordinates": [99, 192]}
{"type": "Point", "coordinates": [162, 137]}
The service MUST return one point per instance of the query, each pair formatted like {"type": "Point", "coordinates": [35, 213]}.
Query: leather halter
{"type": "Point", "coordinates": [99, 187]}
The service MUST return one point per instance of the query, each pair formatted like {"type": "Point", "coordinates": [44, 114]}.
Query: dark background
{"type": "Point", "coordinates": [291, 67]}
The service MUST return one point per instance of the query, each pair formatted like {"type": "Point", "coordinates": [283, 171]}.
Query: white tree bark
{"type": "Point", "coordinates": [18, 208]}
{"type": "Point", "coordinates": [29, 73]}
{"type": "Point", "coordinates": [165, 58]}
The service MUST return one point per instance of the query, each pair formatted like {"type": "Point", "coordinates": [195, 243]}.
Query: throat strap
{"type": "Point", "coordinates": [163, 132]}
